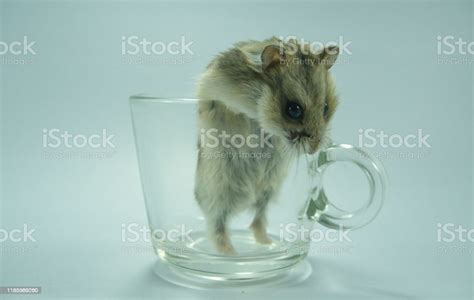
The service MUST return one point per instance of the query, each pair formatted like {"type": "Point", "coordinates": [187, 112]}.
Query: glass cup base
{"type": "Point", "coordinates": [180, 276]}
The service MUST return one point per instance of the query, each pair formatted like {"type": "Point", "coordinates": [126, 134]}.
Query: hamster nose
{"type": "Point", "coordinates": [304, 134]}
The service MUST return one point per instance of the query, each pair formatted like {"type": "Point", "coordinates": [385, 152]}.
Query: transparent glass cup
{"type": "Point", "coordinates": [166, 136]}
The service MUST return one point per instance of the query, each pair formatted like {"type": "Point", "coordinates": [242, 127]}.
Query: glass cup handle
{"type": "Point", "coordinates": [319, 208]}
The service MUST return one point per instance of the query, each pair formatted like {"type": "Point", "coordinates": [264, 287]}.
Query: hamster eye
{"type": "Point", "coordinates": [294, 110]}
{"type": "Point", "coordinates": [326, 109]}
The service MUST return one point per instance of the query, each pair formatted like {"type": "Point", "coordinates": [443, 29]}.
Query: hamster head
{"type": "Point", "coordinates": [299, 97]}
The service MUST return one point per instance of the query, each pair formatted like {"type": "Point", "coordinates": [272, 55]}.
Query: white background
{"type": "Point", "coordinates": [77, 81]}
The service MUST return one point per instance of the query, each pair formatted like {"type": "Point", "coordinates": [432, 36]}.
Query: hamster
{"type": "Point", "coordinates": [280, 94]}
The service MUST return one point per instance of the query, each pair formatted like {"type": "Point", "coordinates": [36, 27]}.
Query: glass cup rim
{"type": "Point", "coordinates": [160, 99]}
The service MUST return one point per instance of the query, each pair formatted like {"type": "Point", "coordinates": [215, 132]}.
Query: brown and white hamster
{"type": "Point", "coordinates": [281, 89]}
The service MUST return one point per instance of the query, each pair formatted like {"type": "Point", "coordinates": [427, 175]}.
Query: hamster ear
{"type": "Point", "coordinates": [272, 55]}
{"type": "Point", "coordinates": [328, 56]}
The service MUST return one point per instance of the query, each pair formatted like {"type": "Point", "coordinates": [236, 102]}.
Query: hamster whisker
{"type": "Point", "coordinates": [298, 154]}
{"type": "Point", "coordinates": [306, 155]}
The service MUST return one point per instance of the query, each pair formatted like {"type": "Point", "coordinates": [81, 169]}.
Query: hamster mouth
{"type": "Point", "coordinates": [303, 142]}
{"type": "Point", "coordinates": [297, 135]}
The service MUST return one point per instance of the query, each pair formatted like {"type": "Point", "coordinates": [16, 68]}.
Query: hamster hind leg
{"type": "Point", "coordinates": [220, 234]}
{"type": "Point", "coordinates": [259, 223]}
{"type": "Point", "coordinates": [219, 203]}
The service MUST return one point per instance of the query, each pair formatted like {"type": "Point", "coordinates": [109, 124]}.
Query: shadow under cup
{"type": "Point", "coordinates": [166, 136]}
